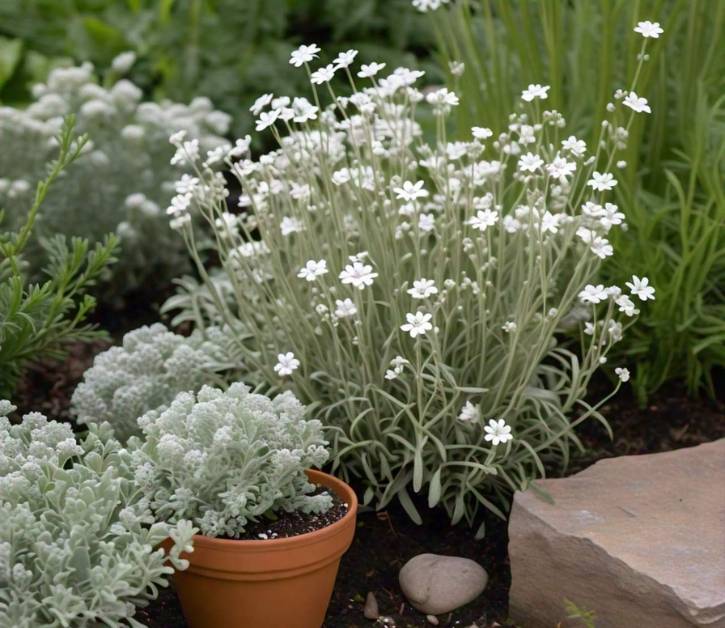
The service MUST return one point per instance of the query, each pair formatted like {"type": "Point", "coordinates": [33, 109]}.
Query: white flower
{"type": "Point", "coordinates": [601, 247]}
{"type": "Point", "coordinates": [483, 219]}
{"type": "Point", "coordinates": [323, 75]}
{"type": "Point", "coordinates": [370, 70]}
{"type": "Point", "coordinates": [391, 374]}
{"type": "Point", "coordinates": [358, 274]}
{"type": "Point", "coordinates": [560, 168]}
{"type": "Point", "coordinates": [426, 222]}
{"type": "Point", "coordinates": [469, 413]}
{"type": "Point", "coordinates": [266, 119]}
{"type": "Point", "coordinates": [457, 68]}
{"type": "Point", "coordinates": [574, 145]}
{"type": "Point", "coordinates": [497, 432]}
{"type": "Point", "coordinates": [186, 153]}
{"type": "Point", "coordinates": [641, 288]}
{"type": "Point", "coordinates": [418, 324]}
{"type": "Point", "coordinates": [411, 191]}
{"type": "Point", "coordinates": [290, 225]}
{"type": "Point", "coordinates": [261, 103]}
{"type": "Point", "coordinates": [622, 373]}
{"type": "Point", "coordinates": [635, 103]}
{"type": "Point", "coordinates": [423, 288]}
{"type": "Point", "coordinates": [286, 364]}
{"type": "Point", "coordinates": [550, 222]}
{"type": "Point", "coordinates": [345, 308]}
{"type": "Point", "coordinates": [312, 270]}
{"type": "Point", "coordinates": [589, 328]}
{"type": "Point", "coordinates": [593, 294]}
{"type": "Point", "coordinates": [177, 138]}
{"type": "Point", "coordinates": [509, 327]}
{"type": "Point", "coordinates": [649, 29]}
{"type": "Point", "coordinates": [344, 59]}
{"type": "Point", "coordinates": [614, 329]}
{"type": "Point", "coordinates": [227, 222]}
{"type": "Point", "coordinates": [535, 91]}
{"type": "Point", "coordinates": [428, 5]}
{"type": "Point", "coordinates": [602, 181]}
{"type": "Point", "coordinates": [179, 204]}
{"type": "Point", "coordinates": [397, 364]}
{"type": "Point", "coordinates": [481, 133]}
{"type": "Point", "coordinates": [626, 305]}
{"type": "Point", "coordinates": [304, 110]}
{"type": "Point", "coordinates": [304, 54]}
{"type": "Point", "coordinates": [530, 162]}
{"type": "Point", "coordinates": [442, 98]}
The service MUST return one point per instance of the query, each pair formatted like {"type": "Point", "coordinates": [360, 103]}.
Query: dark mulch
{"type": "Point", "coordinates": [295, 523]}
{"type": "Point", "coordinates": [48, 387]}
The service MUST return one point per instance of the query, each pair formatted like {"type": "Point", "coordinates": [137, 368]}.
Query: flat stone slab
{"type": "Point", "coordinates": [639, 540]}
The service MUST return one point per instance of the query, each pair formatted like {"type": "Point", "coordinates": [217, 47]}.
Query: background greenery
{"type": "Point", "coordinates": [228, 50]}
{"type": "Point", "coordinates": [671, 188]}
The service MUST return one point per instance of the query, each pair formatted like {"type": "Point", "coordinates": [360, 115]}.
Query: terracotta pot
{"type": "Point", "coordinates": [277, 583]}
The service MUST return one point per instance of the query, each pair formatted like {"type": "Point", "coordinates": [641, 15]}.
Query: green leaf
{"type": "Point", "coordinates": [11, 51]}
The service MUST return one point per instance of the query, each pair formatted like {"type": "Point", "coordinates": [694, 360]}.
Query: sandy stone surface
{"type": "Point", "coordinates": [639, 540]}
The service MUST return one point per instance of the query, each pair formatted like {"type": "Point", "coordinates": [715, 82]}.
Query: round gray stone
{"type": "Point", "coordinates": [437, 584]}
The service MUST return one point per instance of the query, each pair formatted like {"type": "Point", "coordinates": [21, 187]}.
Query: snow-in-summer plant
{"type": "Point", "coordinates": [123, 182]}
{"type": "Point", "coordinates": [223, 459]}
{"type": "Point", "coordinates": [147, 371]}
{"type": "Point", "coordinates": [78, 546]}
{"type": "Point", "coordinates": [437, 301]}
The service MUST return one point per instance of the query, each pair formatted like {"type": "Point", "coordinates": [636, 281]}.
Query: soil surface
{"type": "Point", "coordinates": [295, 523]}
{"type": "Point", "coordinates": [385, 540]}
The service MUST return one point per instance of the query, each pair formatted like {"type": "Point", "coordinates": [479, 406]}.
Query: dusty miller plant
{"type": "Point", "coordinates": [437, 301]}
{"type": "Point", "coordinates": [78, 546]}
{"type": "Point", "coordinates": [223, 459]}
{"type": "Point", "coordinates": [124, 179]}
{"type": "Point", "coordinates": [147, 371]}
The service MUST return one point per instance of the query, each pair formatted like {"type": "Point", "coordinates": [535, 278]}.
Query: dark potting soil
{"type": "Point", "coordinates": [290, 524]}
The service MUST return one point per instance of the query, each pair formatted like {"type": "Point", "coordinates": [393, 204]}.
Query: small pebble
{"type": "Point", "coordinates": [370, 610]}
{"type": "Point", "coordinates": [432, 619]}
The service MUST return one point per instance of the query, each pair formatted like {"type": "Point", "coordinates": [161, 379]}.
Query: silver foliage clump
{"type": "Point", "coordinates": [124, 181]}
{"type": "Point", "coordinates": [147, 371]}
{"type": "Point", "coordinates": [77, 541]}
{"type": "Point", "coordinates": [225, 458]}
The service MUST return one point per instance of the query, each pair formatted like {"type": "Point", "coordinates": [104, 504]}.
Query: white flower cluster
{"type": "Point", "coordinates": [224, 459]}
{"type": "Point", "coordinates": [147, 371]}
{"type": "Point", "coordinates": [124, 181]}
{"type": "Point", "coordinates": [416, 289]}
{"type": "Point", "coordinates": [77, 546]}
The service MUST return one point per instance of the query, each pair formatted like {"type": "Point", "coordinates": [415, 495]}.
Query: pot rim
{"type": "Point", "coordinates": [338, 486]}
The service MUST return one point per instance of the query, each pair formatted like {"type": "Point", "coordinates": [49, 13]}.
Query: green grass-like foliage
{"type": "Point", "coordinates": [147, 371]}
{"type": "Point", "coordinates": [414, 291]}
{"type": "Point", "coordinates": [37, 320]}
{"type": "Point", "coordinates": [223, 459]}
{"type": "Point", "coordinates": [671, 183]}
{"type": "Point", "coordinates": [78, 546]}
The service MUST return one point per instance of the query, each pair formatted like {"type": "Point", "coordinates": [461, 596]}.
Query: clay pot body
{"type": "Point", "coordinates": [277, 583]}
